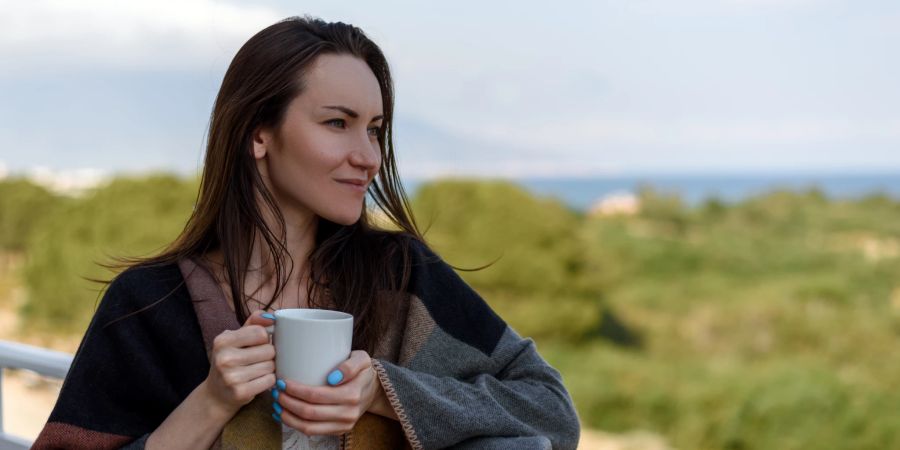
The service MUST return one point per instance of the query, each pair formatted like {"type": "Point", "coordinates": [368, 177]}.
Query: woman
{"type": "Point", "coordinates": [177, 355]}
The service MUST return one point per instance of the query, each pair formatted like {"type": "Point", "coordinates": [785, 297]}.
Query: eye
{"type": "Point", "coordinates": [373, 131]}
{"type": "Point", "coordinates": [338, 121]}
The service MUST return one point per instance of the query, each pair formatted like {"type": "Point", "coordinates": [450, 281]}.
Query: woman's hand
{"type": "Point", "coordinates": [318, 410]}
{"type": "Point", "coordinates": [242, 364]}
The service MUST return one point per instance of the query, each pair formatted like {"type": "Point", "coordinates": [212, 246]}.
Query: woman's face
{"type": "Point", "coordinates": [326, 143]}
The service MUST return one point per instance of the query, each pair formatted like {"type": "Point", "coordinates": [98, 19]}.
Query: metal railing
{"type": "Point", "coordinates": [20, 356]}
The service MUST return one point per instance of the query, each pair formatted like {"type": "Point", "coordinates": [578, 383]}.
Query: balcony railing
{"type": "Point", "coordinates": [20, 356]}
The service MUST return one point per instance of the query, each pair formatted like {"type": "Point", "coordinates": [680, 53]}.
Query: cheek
{"type": "Point", "coordinates": [379, 153]}
{"type": "Point", "coordinates": [317, 160]}
{"type": "Point", "coordinates": [315, 155]}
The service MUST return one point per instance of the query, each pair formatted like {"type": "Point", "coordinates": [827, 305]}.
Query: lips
{"type": "Point", "coordinates": [356, 185]}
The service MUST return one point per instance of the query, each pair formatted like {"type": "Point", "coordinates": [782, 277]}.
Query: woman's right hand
{"type": "Point", "coordinates": [242, 364]}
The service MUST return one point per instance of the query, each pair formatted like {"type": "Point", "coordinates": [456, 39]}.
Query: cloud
{"type": "Point", "coordinates": [725, 8]}
{"type": "Point", "coordinates": [774, 3]}
{"type": "Point", "coordinates": [509, 168]}
{"type": "Point", "coordinates": [137, 34]}
{"type": "Point", "coordinates": [591, 131]}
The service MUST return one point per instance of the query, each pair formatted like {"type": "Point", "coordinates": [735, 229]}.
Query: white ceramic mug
{"type": "Point", "coordinates": [310, 343]}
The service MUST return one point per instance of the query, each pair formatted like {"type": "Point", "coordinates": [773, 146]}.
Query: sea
{"type": "Point", "coordinates": [580, 193]}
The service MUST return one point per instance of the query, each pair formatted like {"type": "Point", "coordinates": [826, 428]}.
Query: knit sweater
{"type": "Point", "coordinates": [456, 375]}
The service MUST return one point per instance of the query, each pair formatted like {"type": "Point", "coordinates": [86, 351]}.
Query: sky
{"type": "Point", "coordinates": [501, 88]}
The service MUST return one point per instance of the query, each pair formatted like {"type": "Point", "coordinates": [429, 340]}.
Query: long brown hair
{"type": "Point", "coordinates": [350, 263]}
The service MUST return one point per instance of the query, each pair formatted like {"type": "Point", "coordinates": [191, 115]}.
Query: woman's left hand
{"type": "Point", "coordinates": [334, 409]}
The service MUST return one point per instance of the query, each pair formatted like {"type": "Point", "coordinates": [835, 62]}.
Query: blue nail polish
{"type": "Point", "coordinates": [281, 385]}
{"type": "Point", "coordinates": [269, 316]}
{"type": "Point", "coordinates": [277, 417]}
{"type": "Point", "coordinates": [275, 394]}
{"type": "Point", "coordinates": [277, 408]}
{"type": "Point", "coordinates": [335, 377]}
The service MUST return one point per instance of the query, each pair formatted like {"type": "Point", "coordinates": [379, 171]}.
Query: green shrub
{"type": "Point", "coordinates": [129, 217]}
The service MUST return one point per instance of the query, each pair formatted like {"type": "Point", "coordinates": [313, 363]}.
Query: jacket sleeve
{"type": "Point", "coordinates": [467, 379]}
{"type": "Point", "coordinates": [125, 378]}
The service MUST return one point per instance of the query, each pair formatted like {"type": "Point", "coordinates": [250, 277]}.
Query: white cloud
{"type": "Point", "coordinates": [589, 132]}
{"type": "Point", "coordinates": [723, 8]}
{"type": "Point", "coordinates": [510, 168]}
{"type": "Point", "coordinates": [773, 3]}
{"type": "Point", "coordinates": [157, 34]}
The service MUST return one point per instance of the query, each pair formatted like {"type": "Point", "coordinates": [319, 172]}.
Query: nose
{"type": "Point", "coordinates": [366, 155]}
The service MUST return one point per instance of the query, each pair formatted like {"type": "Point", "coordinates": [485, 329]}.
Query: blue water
{"type": "Point", "coordinates": [580, 193]}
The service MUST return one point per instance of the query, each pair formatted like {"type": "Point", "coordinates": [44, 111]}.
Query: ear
{"type": "Point", "coordinates": [262, 140]}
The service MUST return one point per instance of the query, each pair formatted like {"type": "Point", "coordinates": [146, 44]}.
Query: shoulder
{"type": "Point", "coordinates": [149, 308]}
{"type": "Point", "coordinates": [399, 244]}
{"type": "Point", "coordinates": [405, 251]}
{"type": "Point", "coordinates": [144, 275]}
{"type": "Point", "coordinates": [454, 306]}
{"type": "Point", "coordinates": [139, 286]}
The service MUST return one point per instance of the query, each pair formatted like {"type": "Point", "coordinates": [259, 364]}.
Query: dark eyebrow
{"type": "Point", "coordinates": [350, 112]}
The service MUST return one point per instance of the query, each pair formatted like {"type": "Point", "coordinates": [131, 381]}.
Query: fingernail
{"type": "Point", "coordinates": [275, 394]}
{"type": "Point", "coordinates": [269, 316]}
{"type": "Point", "coordinates": [277, 408]}
{"type": "Point", "coordinates": [277, 417]}
{"type": "Point", "coordinates": [335, 377]}
{"type": "Point", "coordinates": [280, 385]}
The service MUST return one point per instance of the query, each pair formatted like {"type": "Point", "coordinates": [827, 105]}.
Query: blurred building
{"type": "Point", "coordinates": [620, 203]}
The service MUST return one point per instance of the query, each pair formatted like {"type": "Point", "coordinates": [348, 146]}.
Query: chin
{"type": "Point", "coordinates": [345, 219]}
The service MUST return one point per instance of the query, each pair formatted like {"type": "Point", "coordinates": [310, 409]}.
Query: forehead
{"type": "Point", "coordinates": [342, 80]}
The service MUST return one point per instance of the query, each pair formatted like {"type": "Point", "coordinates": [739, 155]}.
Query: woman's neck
{"type": "Point", "coordinates": [299, 242]}
{"type": "Point", "coordinates": [260, 281]}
